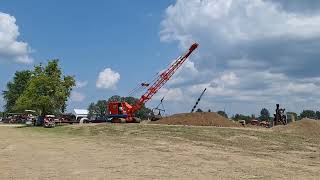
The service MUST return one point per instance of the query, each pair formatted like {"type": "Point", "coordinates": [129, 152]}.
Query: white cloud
{"type": "Point", "coordinates": [230, 78]}
{"type": "Point", "coordinates": [77, 96]}
{"type": "Point", "coordinates": [10, 48]}
{"type": "Point", "coordinates": [251, 51]}
{"type": "Point", "coordinates": [108, 79]}
{"type": "Point", "coordinates": [81, 84]}
{"type": "Point", "coordinates": [234, 20]}
{"type": "Point", "coordinates": [187, 72]}
{"type": "Point", "coordinates": [173, 94]}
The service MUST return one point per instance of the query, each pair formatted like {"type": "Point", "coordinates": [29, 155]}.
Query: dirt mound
{"type": "Point", "coordinates": [304, 127]}
{"type": "Point", "coordinates": [198, 119]}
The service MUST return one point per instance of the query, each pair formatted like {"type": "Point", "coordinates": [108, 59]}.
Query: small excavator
{"type": "Point", "coordinates": [123, 112]}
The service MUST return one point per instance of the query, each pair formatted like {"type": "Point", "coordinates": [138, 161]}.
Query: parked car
{"type": "Point", "coordinates": [66, 118]}
{"type": "Point", "coordinates": [14, 118]}
{"type": "Point", "coordinates": [99, 119]}
{"type": "Point", "coordinates": [49, 121]}
{"type": "Point", "coordinates": [30, 117]}
{"type": "Point", "coordinates": [255, 122]}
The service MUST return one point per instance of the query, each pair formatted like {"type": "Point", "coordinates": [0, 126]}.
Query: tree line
{"type": "Point", "coordinates": [46, 90]}
{"type": "Point", "coordinates": [266, 116]}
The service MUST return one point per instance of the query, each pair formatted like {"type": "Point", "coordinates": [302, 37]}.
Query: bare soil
{"type": "Point", "coordinates": [197, 119]}
{"type": "Point", "coordinates": [132, 151]}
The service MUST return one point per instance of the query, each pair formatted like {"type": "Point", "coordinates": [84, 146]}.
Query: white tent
{"type": "Point", "coordinates": [82, 113]}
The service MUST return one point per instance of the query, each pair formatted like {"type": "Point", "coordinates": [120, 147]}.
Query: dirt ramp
{"type": "Point", "coordinates": [197, 119]}
{"type": "Point", "coordinates": [303, 127]}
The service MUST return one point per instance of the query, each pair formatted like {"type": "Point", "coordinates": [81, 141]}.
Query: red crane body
{"type": "Point", "coordinates": [123, 110]}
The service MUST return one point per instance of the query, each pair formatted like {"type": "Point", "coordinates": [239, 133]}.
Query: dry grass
{"type": "Point", "coordinates": [135, 151]}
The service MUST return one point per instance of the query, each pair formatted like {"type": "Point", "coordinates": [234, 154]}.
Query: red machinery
{"type": "Point", "coordinates": [124, 112]}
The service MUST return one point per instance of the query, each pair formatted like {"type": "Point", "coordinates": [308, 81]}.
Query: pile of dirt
{"type": "Point", "coordinates": [304, 127]}
{"type": "Point", "coordinates": [197, 119]}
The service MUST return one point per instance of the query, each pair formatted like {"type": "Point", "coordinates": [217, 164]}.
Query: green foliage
{"type": "Point", "coordinates": [114, 98]}
{"type": "Point", "coordinates": [264, 115]}
{"type": "Point", "coordinates": [318, 115]}
{"type": "Point", "coordinates": [239, 117]}
{"type": "Point", "coordinates": [308, 114]}
{"type": "Point", "coordinates": [15, 89]}
{"type": "Point", "coordinates": [99, 108]}
{"type": "Point", "coordinates": [222, 113]}
{"type": "Point", "coordinates": [199, 110]}
{"type": "Point", "coordinates": [46, 91]}
{"type": "Point", "coordinates": [92, 109]}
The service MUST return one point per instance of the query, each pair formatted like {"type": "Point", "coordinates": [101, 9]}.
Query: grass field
{"type": "Point", "coordinates": [133, 151]}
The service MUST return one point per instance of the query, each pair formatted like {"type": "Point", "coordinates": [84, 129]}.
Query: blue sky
{"type": "Point", "coordinates": [88, 37]}
{"type": "Point", "coordinates": [253, 54]}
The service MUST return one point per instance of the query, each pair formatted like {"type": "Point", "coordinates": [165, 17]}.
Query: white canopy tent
{"type": "Point", "coordinates": [81, 113]}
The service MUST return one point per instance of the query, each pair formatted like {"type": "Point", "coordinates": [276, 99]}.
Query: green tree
{"type": "Point", "coordinates": [318, 115]}
{"type": "Point", "coordinates": [15, 89]}
{"type": "Point", "coordinates": [199, 110]}
{"type": "Point", "coordinates": [47, 91]}
{"type": "Point", "coordinates": [115, 98]}
{"type": "Point", "coordinates": [101, 107]}
{"type": "Point", "coordinates": [264, 115]}
{"type": "Point", "coordinates": [308, 114]}
{"type": "Point", "coordinates": [238, 117]}
{"type": "Point", "coordinates": [92, 109]}
{"type": "Point", "coordinates": [222, 113]}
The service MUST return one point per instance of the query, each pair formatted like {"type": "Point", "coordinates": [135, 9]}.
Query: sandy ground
{"type": "Point", "coordinates": [155, 152]}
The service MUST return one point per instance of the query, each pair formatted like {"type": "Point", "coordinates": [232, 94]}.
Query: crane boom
{"type": "Point", "coordinates": [199, 99]}
{"type": "Point", "coordinates": [123, 111]}
{"type": "Point", "coordinates": [163, 78]}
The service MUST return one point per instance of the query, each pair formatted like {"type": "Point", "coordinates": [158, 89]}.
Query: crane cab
{"type": "Point", "coordinates": [120, 112]}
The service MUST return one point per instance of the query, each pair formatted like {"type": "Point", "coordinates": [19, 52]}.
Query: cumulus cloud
{"type": "Point", "coordinates": [187, 70]}
{"type": "Point", "coordinates": [251, 51]}
{"type": "Point", "coordinates": [77, 96]}
{"type": "Point", "coordinates": [233, 21]}
{"type": "Point", "coordinates": [10, 48]}
{"type": "Point", "coordinates": [173, 94]}
{"type": "Point", "coordinates": [108, 79]}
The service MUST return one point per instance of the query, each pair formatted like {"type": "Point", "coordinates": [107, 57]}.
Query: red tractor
{"type": "Point", "coordinates": [124, 112]}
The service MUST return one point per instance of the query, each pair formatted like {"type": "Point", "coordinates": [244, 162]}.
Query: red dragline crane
{"type": "Point", "coordinates": [122, 111]}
